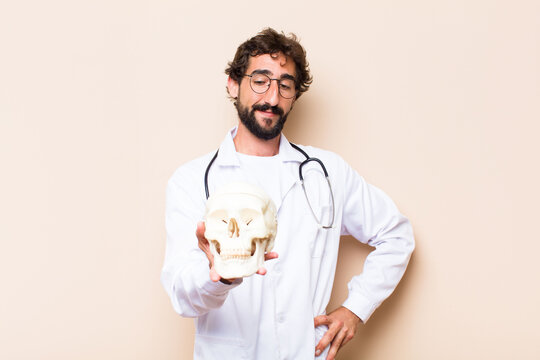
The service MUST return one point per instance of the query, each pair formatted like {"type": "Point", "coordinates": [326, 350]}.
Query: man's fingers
{"type": "Point", "coordinates": [270, 255]}
{"type": "Point", "coordinates": [342, 324]}
{"type": "Point", "coordinates": [204, 245]}
{"type": "Point", "coordinates": [336, 344]}
{"type": "Point", "coordinates": [214, 276]}
{"type": "Point", "coordinates": [201, 228]}
{"type": "Point", "coordinates": [328, 337]}
{"type": "Point", "coordinates": [321, 320]}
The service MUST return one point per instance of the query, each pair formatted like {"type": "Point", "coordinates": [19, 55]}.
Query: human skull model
{"type": "Point", "coordinates": [241, 226]}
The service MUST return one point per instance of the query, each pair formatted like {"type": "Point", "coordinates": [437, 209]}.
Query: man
{"type": "Point", "coordinates": [281, 312]}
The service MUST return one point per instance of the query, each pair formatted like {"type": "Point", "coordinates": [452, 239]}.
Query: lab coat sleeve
{"type": "Point", "coordinates": [185, 273]}
{"type": "Point", "coordinates": [372, 218]}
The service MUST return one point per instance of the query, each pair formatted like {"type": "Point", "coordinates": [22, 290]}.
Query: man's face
{"type": "Point", "coordinates": [264, 114]}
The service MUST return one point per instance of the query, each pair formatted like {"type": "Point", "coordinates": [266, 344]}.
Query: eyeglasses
{"type": "Point", "coordinates": [260, 83]}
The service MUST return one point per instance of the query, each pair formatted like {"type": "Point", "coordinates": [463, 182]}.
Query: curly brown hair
{"type": "Point", "coordinates": [269, 41]}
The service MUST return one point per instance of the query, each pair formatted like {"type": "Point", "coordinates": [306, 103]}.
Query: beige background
{"type": "Point", "coordinates": [436, 102]}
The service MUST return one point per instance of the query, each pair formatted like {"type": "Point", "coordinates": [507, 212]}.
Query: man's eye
{"type": "Point", "coordinates": [259, 82]}
{"type": "Point", "coordinates": [285, 86]}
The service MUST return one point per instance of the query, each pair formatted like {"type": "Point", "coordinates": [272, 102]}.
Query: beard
{"type": "Point", "coordinates": [247, 117]}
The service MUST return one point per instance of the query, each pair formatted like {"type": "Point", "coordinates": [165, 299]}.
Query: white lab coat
{"type": "Point", "coordinates": [271, 316]}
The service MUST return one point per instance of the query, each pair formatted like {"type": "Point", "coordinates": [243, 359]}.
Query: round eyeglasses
{"type": "Point", "coordinates": [260, 83]}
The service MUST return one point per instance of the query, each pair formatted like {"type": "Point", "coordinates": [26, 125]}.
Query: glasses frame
{"type": "Point", "coordinates": [270, 84]}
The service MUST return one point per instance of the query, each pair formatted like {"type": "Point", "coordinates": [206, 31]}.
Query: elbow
{"type": "Point", "coordinates": [409, 243]}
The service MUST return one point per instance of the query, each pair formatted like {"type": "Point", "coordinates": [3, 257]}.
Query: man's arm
{"type": "Point", "coordinates": [188, 274]}
{"type": "Point", "coordinates": [185, 274]}
{"type": "Point", "coordinates": [372, 218]}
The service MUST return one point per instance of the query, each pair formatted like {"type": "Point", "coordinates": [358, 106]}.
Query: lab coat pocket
{"type": "Point", "coordinates": [212, 347]}
{"type": "Point", "coordinates": [317, 242]}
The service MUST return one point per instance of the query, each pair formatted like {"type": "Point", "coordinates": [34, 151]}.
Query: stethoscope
{"type": "Point", "coordinates": [308, 159]}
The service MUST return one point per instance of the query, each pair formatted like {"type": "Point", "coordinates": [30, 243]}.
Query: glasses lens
{"type": "Point", "coordinates": [260, 83]}
{"type": "Point", "coordinates": [287, 88]}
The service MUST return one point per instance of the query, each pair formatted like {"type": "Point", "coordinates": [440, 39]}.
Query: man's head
{"type": "Point", "coordinates": [268, 73]}
{"type": "Point", "coordinates": [270, 41]}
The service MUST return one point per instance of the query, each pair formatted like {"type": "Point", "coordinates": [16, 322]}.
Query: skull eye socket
{"type": "Point", "coordinates": [247, 221]}
{"type": "Point", "coordinates": [248, 216]}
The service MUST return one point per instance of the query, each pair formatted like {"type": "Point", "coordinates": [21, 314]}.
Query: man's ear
{"type": "Point", "coordinates": [232, 87]}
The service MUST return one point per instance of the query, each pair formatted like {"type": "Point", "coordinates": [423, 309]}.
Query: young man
{"type": "Point", "coordinates": [280, 313]}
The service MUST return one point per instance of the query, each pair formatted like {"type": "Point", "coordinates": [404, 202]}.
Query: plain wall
{"type": "Point", "coordinates": [436, 102]}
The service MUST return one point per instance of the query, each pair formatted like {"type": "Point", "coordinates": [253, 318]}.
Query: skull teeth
{"type": "Point", "coordinates": [234, 257]}
{"type": "Point", "coordinates": [239, 254]}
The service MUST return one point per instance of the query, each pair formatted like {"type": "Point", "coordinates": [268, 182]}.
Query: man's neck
{"type": "Point", "coordinates": [247, 143]}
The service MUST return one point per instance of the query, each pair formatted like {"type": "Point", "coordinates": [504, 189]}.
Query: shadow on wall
{"type": "Point", "coordinates": [304, 122]}
{"type": "Point", "coordinates": [351, 259]}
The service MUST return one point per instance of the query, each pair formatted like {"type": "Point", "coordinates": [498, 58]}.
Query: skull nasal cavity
{"type": "Point", "coordinates": [233, 228]}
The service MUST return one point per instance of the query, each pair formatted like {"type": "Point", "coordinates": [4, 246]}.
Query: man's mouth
{"type": "Point", "coordinates": [267, 113]}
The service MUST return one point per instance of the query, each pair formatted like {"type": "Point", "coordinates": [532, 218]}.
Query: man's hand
{"type": "Point", "coordinates": [342, 325]}
{"type": "Point", "coordinates": [204, 245]}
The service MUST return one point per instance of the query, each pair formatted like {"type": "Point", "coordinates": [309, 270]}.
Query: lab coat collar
{"type": "Point", "coordinates": [227, 151]}
{"type": "Point", "coordinates": [288, 153]}
{"type": "Point", "coordinates": [227, 156]}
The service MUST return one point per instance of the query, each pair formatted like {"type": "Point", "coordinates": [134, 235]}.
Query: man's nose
{"type": "Point", "coordinates": [272, 94]}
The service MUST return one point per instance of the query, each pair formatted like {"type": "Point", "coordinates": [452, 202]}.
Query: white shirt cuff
{"type": "Point", "coordinates": [360, 306]}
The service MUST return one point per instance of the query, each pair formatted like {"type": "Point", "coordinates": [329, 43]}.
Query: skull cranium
{"type": "Point", "coordinates": [241, 226]}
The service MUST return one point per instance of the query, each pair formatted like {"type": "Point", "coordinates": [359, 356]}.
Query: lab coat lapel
{"type": "Point", "coordinates": [291, 159]}
{"type": "Point", "coordinates": [227, 151]}
{"type": "Point", "coordinates": [226, 166]}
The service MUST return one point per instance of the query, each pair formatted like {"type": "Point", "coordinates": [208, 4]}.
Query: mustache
{"type": "Point", "coordinates": [265, 107]}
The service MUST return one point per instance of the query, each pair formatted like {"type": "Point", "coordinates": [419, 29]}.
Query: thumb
{"type": "Point", "coordinates": [201, 228]}
{"type": "Point", "coordinates": [214, 276]}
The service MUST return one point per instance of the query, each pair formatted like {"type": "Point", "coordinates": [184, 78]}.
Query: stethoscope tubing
{"type": "Point", "coordinates": [300, 175]}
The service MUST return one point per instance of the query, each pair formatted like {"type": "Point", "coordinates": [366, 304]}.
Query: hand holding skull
{"type": "Point", "coordinates": [205, 247]}
{"type": "Point", "coordinates": [239, 231]}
